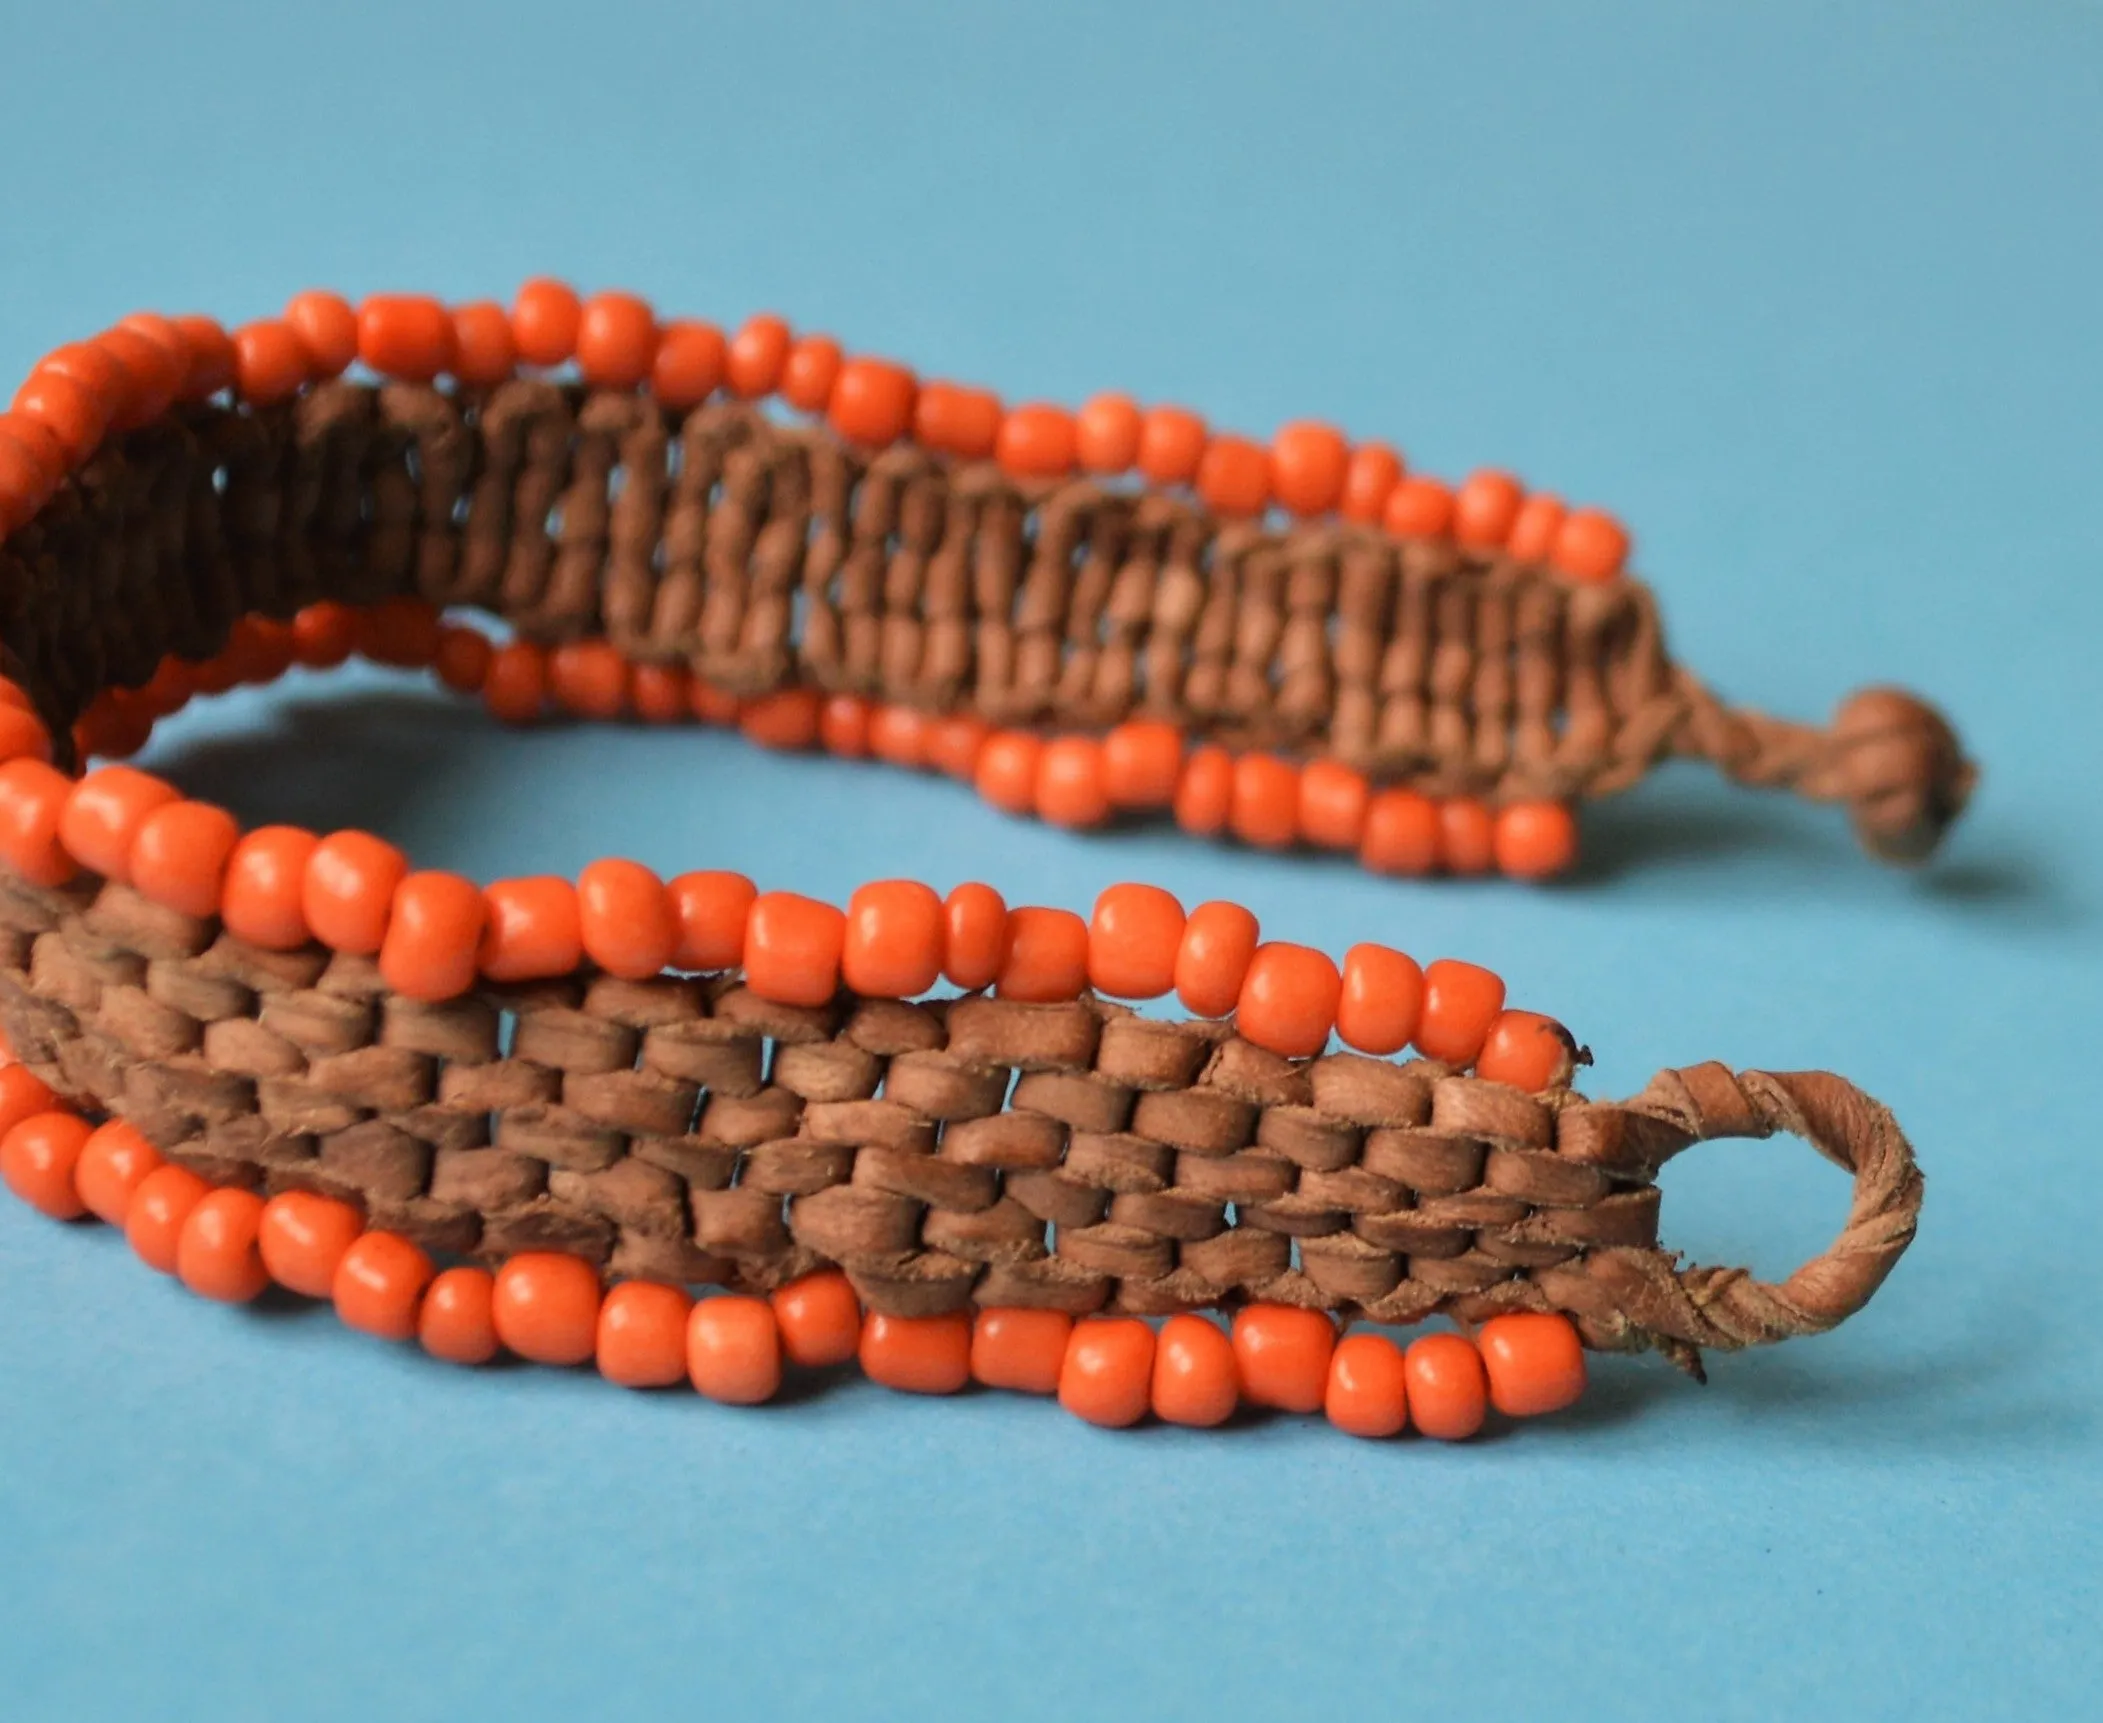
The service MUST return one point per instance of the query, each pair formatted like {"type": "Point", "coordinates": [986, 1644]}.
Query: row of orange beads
{"type": "Point", "coordinates": [1070, 781]}
{"type": "Point", "coordinates": [550, 1308]}
{"type": "Point", "coordinates": [130, 374]}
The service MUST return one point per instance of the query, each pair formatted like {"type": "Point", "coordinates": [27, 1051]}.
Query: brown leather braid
{"type": "Point", "coordinates": [763, 555]}
{"type": "Point", "coordinates": [1074, 1156]}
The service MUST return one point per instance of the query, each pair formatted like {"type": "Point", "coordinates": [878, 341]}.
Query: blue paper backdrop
{"type": "Point", "coordinates": [1808, 292]}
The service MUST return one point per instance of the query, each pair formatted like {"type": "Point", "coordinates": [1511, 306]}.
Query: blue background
{"type": "Point", "coordinates": [1808, 293]}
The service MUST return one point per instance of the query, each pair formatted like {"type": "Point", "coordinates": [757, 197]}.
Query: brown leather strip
{"type": "Point", "coordinates": [764, 555]}
{"type": "Point", "coordinates": [943, 1152]}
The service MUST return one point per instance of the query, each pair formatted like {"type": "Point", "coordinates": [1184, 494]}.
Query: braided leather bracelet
{"type": "Point", "coordinates": [313, 1065]}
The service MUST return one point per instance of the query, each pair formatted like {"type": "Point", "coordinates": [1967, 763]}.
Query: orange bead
{"type": "Point", "coordinates": [713, 705]}
{"type": "Point", "coordinates": [67, 408]}
{"type": "Point", "coordinates": [692, 361]}
{"type": "Point", "coordinates": [37, 1158]}
{"type": "Point", "coordinates": [401, 631]}
{"type": "Point", "coordinates": [1528, 1051]}
{"type": "Point", "coordinates": [1419, 508]}
{"type": "Point", "coordinates": [114, 1162]}
{"type": "Point", "coordinates": [215, 1254]}
{"type": "Point", "coordinates": [1484, 509]}
{"type": "Point", "coordinates": [625, 918]}
{"type": "Point", "coordinates": [462, 659]}
{"type": "Point", "coordinates": [709, 908]}
{"type": "Point", "coordinates": [379, 1285]}
{"type": "Point", "coordinates": [1046, 959]}
{"type": "Point", "coordinates": [1447, 1390]}
{"type": "Point", "coordinates": [1007, 770]}
{"type": "Point", "coordinates": [974, 935]}
{"type": "Point", "coordinates": [616, 340]}
{"type": "Point", "coordinates": [659, 693]}
{"type": "Point", "coordinates": [405, 335]}
{"type": "Point", "coordinates": [1401, 833]}
{"type": "Point", "coordinates": [179, 856]}
{"type": "Point", "coordinates": [1467, 836]}
{"type": "Point", "coordinates": [545, 317]}
{"type": "Point", "coordinates": [898, 734]}
{"type": "Point", "coordinates": [33, 799]}
{"type": "Point", "coordinates": [324, 634]}
{"type": "Point", "coordinates": [1370, 478]}
{"type": "Point", "coordinates": [1234, 476]}
{"type": "Point", "coordinates": [12, 694]}
{"type": "Point", "coordinates": [953, 745]}
{"type": "Point", "coordinates": [303, 1239]}
{"type": "Point", "coordinates": [1133, 938]}
{"type": "Point", "coordinates": [809, 372]}
{"type": "Point", "coordinates": [642, 1334]}
{"type": "Point", "coordinates": [264, 895]}
{"type": "Point", "coordinates": [546, 1307]}
{"type": "Point", "coordinates": [893, 943]}
{"type": "Point", "coordinates": [1534, 840]}
{"type": "Point", "coordinates": [589, 678]}
{"type": "Point", "coordinates": [532, 929]}
{"type": "Point", "coordinates": [94, 369]}
{"type": "Point", "coordinates": [1265, 808]}
{"type": "Point", "coordinates": [259, 650]}
{"type": "Point", "coordinates": [1019, 1349]}
{"type": "Point", "coordinates": [733, 1350]}
{"type": "Point", "coordinates": [1288, 1000]}
{"type": "Point", "coordinates": [1069, 786]}
{"type": "Point", "coordinates": [26, 480]}
{"type": "Point", "coordinates": [1368, 1391]}
{"type": "Point", "coordinates": [1205, 792]}
{"type": "Point", "coordinates": [1534, 1361]}
{"type": "Point", "coordinates": [758, 351]}
{"type": "Point", "coordinates": [954, 420]}
{"type": "Point", "coordinates": [349, 891]}
{"type": "Point", "coordinates": [1590, 545]}
{"type": "Point", "coordinates": [1106, 434]}
{"type": "Point", "coordinates": [458, 1318]}
{"type": "Point", "coordinates": [1534, 529]}
{"type": "Point", "coordinates": [153, 1224]}
{"type": "Point", "coordinates": [1036, 441]}
{"type": "Point", "coordinates": [871, 402]}
{"type": "Point", "coordinates": [1142, 760]}
{"type": "Point", "coordinates": [820, 1319]}
{"type": "Point", "coordinates": [23, 1094]}
{"type": "Point", "coordinates": [1308, 463]}
{"type": "Point", "coordinates": [211, 353]}
{"type": "Point", "coordinates": [515, 686]}
{"type": "Point", "coordinates": [1333, 802]}
{"type": "Point", "coordinates": [917, 1354]}
{"type": "Point", "coordinates": [792, 948]}
{"type": "Point", "coordinates": [1196, 1380]}
{"type": "Point", "coordinates": [485, 350]}
{"type": "Point", "coordinates": [434, 931]}
{"type": "Point", "coordinates": [104, 814]}
{"type": "Point", "coordinates": [157, 368]}
{"type": "Point", "coordinates": [1461, 1001]}
{"type": "Point", "coordinates": [1171, 444]}
{"type": "Point", "coordinates": [1219, 940]}
{"type": "Point", "coordinates": [843, 726]}
{"type": "Point", "coordinates": [23, 736]}
{"type": "Point", "coordinates": [1107, 1378]}
{"type": "Point", "coordinates": [1283, 1354]}
{"type": "Point", "coordinates": [1381, 1000]}
{"type": "Point", "coordinates": [786, 719]}
{"type": "Point", "coordinates": [271, 362]}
